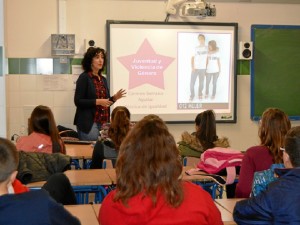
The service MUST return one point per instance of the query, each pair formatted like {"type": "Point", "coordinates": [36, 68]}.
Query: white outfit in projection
{"type": "Point", "coordinates": [199, 70]}
{"type": "Point", "coordinates": [212, 72]}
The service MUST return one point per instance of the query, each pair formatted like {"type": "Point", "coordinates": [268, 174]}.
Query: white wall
{"type": "Point", "coordinates": [2, 79]}
{"type": "Point", "coordinates": [24, 92]}
{"type": "Point", "coordinates": [27, 35]}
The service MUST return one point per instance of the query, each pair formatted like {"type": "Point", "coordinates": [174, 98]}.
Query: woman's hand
{"type": "Point", "coordinates": [120, 94]}
{"type": "Point", "coordinates": [104, 102]}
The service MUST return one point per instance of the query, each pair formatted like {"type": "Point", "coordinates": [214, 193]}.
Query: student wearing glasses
{"type": "Point", "coordinates": [280, 203]}
{"type": "Point", "coordinates": [273, 127]}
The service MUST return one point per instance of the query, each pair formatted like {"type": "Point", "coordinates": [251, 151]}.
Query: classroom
{"type": "Point", "coordinates": [25, 36]}
{"type": "Point", "coordinates": [25, 39]}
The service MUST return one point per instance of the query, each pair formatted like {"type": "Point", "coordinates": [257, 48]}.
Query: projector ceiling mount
{"type": "Point", "coordinates": [190, 8]}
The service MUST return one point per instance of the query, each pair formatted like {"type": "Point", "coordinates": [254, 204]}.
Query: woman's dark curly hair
{"type": "Point", "coordinates": [88, 58]}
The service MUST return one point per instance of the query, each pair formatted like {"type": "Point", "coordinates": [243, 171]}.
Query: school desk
{"type": "Point", "coordinates": [111, 172]}
{"type": "Point", "coordinates": [35, 185]}
{"type": "Point", "coordinates": [202, 178]}
{"type": "Point", "coordinates": [89, 181]}
{"type": "Point", "coordinates": [206, 182]}
{"type": "Point", "coordinates": [79, 151]}
{"type": "Point", "coordinates": [85, 213]}
{"type": "Point", "coordinates": [96, 208]}
{"type": "Point", "coordinates": [226, 216]}
{"type": "Point", "coordinates": [228, 204]}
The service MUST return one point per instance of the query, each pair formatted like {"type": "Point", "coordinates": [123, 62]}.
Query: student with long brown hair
{"type": "Point", "coordinates": [279, 204]}
{"type": "Point", "coordinates": [204, 138]}
{"type": "Point", "coordinates": [273, 127]}
{"type": "Point", "coordinates": [43, 133]}
{"type": "Point", "coordinates": [149, 189]}
{"type": "Point", "coordinates": [117, 131]}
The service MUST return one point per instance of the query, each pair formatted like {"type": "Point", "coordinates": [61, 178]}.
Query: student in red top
{"type": "Point", "coordinates": [43, 133]}
{"type": "Point", "coordinates": [149, 189]}
{"type": "Point", "coordinates": [273, 127]}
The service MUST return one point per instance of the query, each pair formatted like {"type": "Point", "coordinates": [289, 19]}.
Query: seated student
{"type": "Point", "coordinates": [43, 133]}
{"type": "Point", "coordinates": [17, 187]}
{"type": "Point", "coordinates": [58, 187]}
{"type": "Point", "coordinates": [280, 203]}
{"type": "Point", "coordinates": [273, 127]}
{"type": "Point", "coordinates": [204, 138]}
{"type": "Point", "coordinates": [33, 207]}
{"type": "Point", "coordinates": [149, 189]}
{"type": "Point", "coordinates": [108, 147]}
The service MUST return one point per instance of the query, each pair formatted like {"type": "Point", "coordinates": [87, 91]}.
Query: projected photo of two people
{"type": "Point", "coordinates": [206, 71]}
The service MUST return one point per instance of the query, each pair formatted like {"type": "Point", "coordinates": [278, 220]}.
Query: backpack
{"type": "Point", "coordinates": [263, 178]}
{"type": "Point", "coordinates": [67, 133]}
{"type": "Point", "coordinates": [219, 160]}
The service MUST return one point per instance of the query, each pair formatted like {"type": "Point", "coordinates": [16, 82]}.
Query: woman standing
{"type": "Point", "coordinates": [92, 97]}
{"type": "Point", "coordinates": [273, 127]}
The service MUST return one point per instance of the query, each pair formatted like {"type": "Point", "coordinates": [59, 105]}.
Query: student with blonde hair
{"type": "Point", "coordinates": [149, 189]}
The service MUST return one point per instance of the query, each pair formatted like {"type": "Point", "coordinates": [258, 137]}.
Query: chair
{"type": "Point", "coordinates": [214, 189]}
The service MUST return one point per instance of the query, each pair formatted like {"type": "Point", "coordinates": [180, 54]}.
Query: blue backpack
{"type": "Point", "coordinates": [263, 178]}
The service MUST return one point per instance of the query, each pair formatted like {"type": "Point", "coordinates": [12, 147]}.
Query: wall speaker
{"type": "Point", "coordinates": [246, 50]}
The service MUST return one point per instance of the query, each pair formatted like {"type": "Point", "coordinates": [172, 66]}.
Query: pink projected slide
{"type": "Point", "coordinates": [173, 70]}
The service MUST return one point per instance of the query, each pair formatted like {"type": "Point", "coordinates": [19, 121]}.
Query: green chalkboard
{"type": "Point", "coordinates": [275, 69]}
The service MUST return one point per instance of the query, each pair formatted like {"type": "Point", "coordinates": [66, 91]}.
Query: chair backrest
{"type": "Point", "coordinates": [190, 161]}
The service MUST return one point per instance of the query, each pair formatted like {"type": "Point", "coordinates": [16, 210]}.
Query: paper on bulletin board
{"type": "Point", "coordinates": [55, 83]}
{"type": "Point", "coordinates": [74, 79]}
{"type": "Point", "coordinates": [76, 71]}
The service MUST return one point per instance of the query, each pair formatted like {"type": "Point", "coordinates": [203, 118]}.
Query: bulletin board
{"type": "Point", "coordinates": [275, 69]}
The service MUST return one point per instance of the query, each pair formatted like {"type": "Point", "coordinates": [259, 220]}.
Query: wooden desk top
{"type": "Point", "coordinates": [96, 208]}
{"type": "Point", "coordinates": [226, 216]}
{"type": "Point", "coordinates": [79, 151]}
{"type": "Point", "coordinates": [88, 177]}
{"type": "Point", "coordinates": [112, 174]}
{"type": "Point", "coordinates": [37, 184]}
{"type": "Point", "coordinates": [85, 213]}
{"type": "Point", "coordinates": [228, 204]}
{"type": "Point", "coordinates": [201, 178]}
